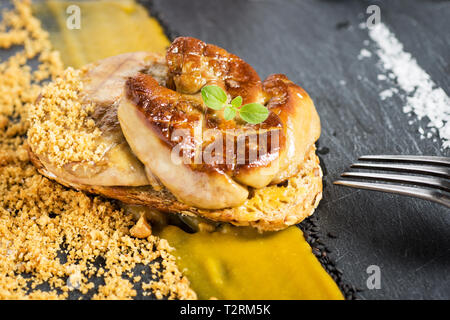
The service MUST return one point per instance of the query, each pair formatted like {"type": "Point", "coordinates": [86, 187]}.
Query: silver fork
{"type": "Point", "coordinates": [433, 184]}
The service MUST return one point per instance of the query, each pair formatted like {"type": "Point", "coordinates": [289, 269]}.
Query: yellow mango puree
{"type": "Point", "coordinates": [107, 28]}
{"type": "Point", "coordinates": [240, 263]}
{"type": "Point", "coordinates": [231, 263]}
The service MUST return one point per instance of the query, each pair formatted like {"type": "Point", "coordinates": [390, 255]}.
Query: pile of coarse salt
{"type": "Point", "coordinates": [423, 97]}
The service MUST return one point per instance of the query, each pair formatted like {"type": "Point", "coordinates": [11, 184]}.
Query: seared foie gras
{"type": "Point", "coordinates": [151, 116]}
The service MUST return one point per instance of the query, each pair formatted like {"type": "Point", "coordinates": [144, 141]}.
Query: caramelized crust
{"type": "Point", "coordinates": [165, 110]}
{"type": "Point", "coordinates": [194, 64]}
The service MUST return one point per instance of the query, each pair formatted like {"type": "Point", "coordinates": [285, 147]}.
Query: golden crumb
{"type": "Point", "coordinates": [141, 229]}
{"type": "Point", "coordinates": [51, 236]}
{"type": "Point", "coordinates": [60, 126]}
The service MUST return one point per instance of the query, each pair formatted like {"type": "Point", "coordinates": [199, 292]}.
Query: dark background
{"type": "Point", "coordinates": [316, 44]}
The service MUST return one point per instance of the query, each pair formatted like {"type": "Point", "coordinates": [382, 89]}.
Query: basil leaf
{"type": "Point", "coordinates": [229, 113]}
{"type": "Point", "coordinates": [236, 102]}
{"type": "Point", "coordinates": [214, 97]}
{"type": "Point", "coordinates": [254, 113]}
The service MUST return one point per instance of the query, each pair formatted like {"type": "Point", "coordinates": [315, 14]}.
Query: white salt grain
{"type": "Point", "coordinates": [423, 97]}
{"type": "Point", "coordinates": [364, 54]}
{"type": "Point", "coordinates": [407, 109]}
{"type": "Point", "coordinates": [388, 93]}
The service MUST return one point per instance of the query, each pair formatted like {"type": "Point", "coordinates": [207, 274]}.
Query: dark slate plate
{"type": "Point", "coordinates": [316, 43]}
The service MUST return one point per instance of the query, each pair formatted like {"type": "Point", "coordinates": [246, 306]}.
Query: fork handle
{"type": "Point", "coordinates": [422, 193]}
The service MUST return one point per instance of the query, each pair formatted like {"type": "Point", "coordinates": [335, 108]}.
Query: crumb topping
{"type": "Point", "coordinates": [60, 124]}
{"type": "Point", "coordinates": [141, 229]}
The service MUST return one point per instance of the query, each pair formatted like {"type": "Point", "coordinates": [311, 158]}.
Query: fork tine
{"type": "Point", "coordinates": [428, 169]}
{"type": "Point", "coordinates": [426, 159]}
{"type": "Point", "coordinates": [422, 193]}
{"type": "Point", "coordinates": [428, 181]}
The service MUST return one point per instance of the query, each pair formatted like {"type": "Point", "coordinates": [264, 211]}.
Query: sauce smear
{"type": "Point", "coordinates": [240, 263]}
{"type": "Point", "coordinates": [107, 28]}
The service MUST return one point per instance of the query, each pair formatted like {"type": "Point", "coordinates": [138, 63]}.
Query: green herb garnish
{"type": "Point", "coordinates": [215, 98]}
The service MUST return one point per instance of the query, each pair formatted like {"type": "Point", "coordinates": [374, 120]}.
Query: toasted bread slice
{"type": "Point", "coordinates": [271, 208]}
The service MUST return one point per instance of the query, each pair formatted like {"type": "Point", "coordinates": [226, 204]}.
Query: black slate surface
{"type": "Point", "coordinates": [316, 43]}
